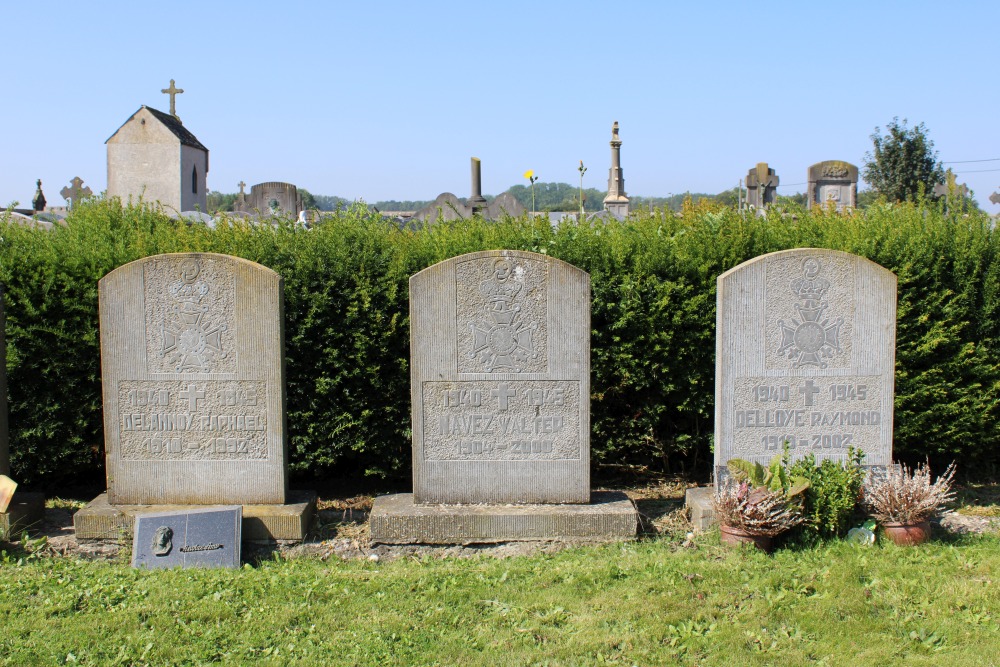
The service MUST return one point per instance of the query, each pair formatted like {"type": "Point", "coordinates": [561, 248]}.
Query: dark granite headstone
{"type": "Point", "coordinates": [207, 537]}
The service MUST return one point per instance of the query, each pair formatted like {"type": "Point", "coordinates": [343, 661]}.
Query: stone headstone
{"type": "Point", "coordinates": [207, 537]}
{"type": "Point", "coordinates": [500, 380]}
{"type": "Point", "coordinates": [805, 354]}
{"type": "Point", "coordinates": [75, 191]}
{"type": "Point", "coordinates": [762, 186]}
{"type": "Point", "coordinates": [833, 181]}
{"type": "Point", "coordinates": [272, 198]}
{"type": "Point", "coordinates": [192, 360]}
{"type": "Point", "coordinates": [500, 394]}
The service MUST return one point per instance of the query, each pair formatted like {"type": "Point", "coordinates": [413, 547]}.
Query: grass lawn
{"type": "Point", "coordinates": [646, 603]}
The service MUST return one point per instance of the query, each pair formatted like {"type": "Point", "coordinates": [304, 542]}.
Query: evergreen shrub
{"type": "Point", "coordinates": [653, 325]}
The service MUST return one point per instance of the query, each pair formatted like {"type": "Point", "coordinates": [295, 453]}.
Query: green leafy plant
{"type": "Point", "coordinates": [775, 477]}
{"type": "Point", "coordinates": [833, 494]}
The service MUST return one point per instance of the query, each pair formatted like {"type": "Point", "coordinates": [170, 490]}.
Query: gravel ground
{"type": "Point", "coordinates": [341, 532]}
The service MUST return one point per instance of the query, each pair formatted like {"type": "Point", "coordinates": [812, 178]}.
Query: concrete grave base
{"type": "Point", "coordinates": [395, 519]}
{"type": "Point", "coordinates": [25, 512]}
{"type": "Point", "coordinates": [100, 520]}
{"type": "Point", "coordinates": [698, 502]}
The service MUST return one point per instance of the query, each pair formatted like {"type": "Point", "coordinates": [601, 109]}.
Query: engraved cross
{"type": "Point", "coordinates": [173, 91]}
{"type": "Point", "coordinates": [809, 391]}
{"type": "Point", "coordinates": [192, 395]}
{"type": "Point", "coordinates": [503, 393]}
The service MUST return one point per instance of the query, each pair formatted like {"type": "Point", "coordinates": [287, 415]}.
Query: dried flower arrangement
{"type": "Point", "coordinates": [757, 511]}
{"type": "Point", "coordinates": [907, 496]}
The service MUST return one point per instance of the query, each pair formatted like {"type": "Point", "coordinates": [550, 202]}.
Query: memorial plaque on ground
{"type": "Point", "coordinates": [805, 354]}
{"type": "Point", "coordinates": [193, 371]}
{"type": "Point", "coordinates": [500, 380]}
{"type": "Point", "coordinates": [207, 537]}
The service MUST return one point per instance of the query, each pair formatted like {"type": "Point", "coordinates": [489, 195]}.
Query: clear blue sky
{"type": "Point", "coordinates": [389, 100]}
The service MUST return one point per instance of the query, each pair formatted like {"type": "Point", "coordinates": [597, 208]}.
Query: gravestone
{"type": "Point", "coordinates": [806, 355]}
{"type": "Point", "coordinates": [75, 192]}
{"type": "Point", "coordinates": [500, 394]}
{"type": "Point", "coordinates": [192, 361]}
{"type": "Point", "coordinates": [833, 181]}
{"type": "Point", "coordinates": [206, 537]}
{"type": "Point", "coordinates": [762, 186]}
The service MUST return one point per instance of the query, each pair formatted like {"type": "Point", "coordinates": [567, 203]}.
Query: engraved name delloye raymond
{"type": "Point", "coordinates": [819, 375]}
{"type": "Point", "coordinates": [498, 399]}
{"type": "Point", "coordinates": [191, 359]}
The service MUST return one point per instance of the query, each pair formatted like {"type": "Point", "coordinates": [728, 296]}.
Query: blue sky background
{"type": "Point", "coordinates": [389, 100]}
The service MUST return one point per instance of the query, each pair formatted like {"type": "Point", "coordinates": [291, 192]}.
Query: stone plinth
{"type": "Point", "coordinates": [100, 520]}
{"type": "Point", "coordinates": [701, 511]}
{"type": "Point", "coordinates": [806, 342]}
{"type": "Point", "coordinates": [396, 519]}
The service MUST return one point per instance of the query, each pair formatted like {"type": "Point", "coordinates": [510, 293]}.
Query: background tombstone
{"type": "Point", "coordinates": [192, 361]}
{"type": "Point", "coordinates": [805, 353]}
{"type": "Point", "coordinates": [833, 181]}
{"type": "Point", "coordinates": [500, 393]}
{"type": "Point", "coordinates": [74, 192]}
{"type": "Point", "coordinates": [272, 198]}
{"type": "Point", "coordinates": [205, 537]}
{"type": "Point", "coordinates": [762, 186]}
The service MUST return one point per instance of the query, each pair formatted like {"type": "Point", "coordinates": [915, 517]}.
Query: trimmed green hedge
{"type": "Point", "coordinates": [653, 315]}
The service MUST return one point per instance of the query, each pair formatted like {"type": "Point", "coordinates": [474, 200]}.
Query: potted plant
{"type": "Point", "coordinates": [903, 500]}
{"type": "Point", "coordinates": [756, 503]}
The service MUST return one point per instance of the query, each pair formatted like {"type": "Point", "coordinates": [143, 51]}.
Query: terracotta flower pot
{"type": "Point", "coordinates": [908, 534]}
{"type": "Point", "coordinates": [737, 537]}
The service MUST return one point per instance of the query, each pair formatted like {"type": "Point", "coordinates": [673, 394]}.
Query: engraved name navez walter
{"type": "Point", "coordinates": [192, 337]}
{"type": "Point", "coordinates": [811, 338]}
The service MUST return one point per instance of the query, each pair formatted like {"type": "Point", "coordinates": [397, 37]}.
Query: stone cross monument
{"type": "Point", "coordinates": [74, 192]}
{"type": "Point", "coordinates": [173, 91]}
{"type": "Point", "coordinates": [762, 186]}
{"type": "Point", "coordinates": [616, 203]}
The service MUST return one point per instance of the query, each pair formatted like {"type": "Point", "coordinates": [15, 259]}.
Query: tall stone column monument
{"type": "Point", "coordinates": [616, 202]}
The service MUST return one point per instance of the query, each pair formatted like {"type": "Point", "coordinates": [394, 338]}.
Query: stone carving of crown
{"type": "Point", "coordinates": [504, 291]}
{"type": "Point", "coordinates": [188, 292]}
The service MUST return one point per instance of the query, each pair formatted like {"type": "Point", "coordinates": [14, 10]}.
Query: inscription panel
{"type": "Point", "coordinates": [192, 420]}
{"type": "Point", "coordinates": [822, 415]}
{"type": "Point", "coordinates": [501, 317]}
{"type": "Point", "coordinates": [501, 421]}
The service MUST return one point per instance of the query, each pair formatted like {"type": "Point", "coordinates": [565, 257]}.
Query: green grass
{"type": "Point", "coordinates": [645, 603]}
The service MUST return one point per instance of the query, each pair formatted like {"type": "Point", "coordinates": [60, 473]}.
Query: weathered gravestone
{"type": "Point", "coordinates": [762, 186]}
{"type": "Point", "coordinates": [206, 537]}
{"type": "Point", "coordinates": [192, 360]}
{"type": "Point", "coordinates": [500, 391]}
{"type": "Point", "coordinates": [833, 181]}
{"type": "Point", "coordinates": [22, 510]}
{"type": "Point", "coordinates": [805, 354]}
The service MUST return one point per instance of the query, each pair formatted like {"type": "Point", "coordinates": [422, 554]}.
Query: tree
{"type": "Point", "coordinates": [903, 162]}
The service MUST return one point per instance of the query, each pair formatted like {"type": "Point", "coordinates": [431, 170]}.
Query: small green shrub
{"type": "Point", "coordinates": [833, 493]}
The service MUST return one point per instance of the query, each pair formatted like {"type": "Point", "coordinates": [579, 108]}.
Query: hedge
{"type": "Point", "coordinates": [653, 317]}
